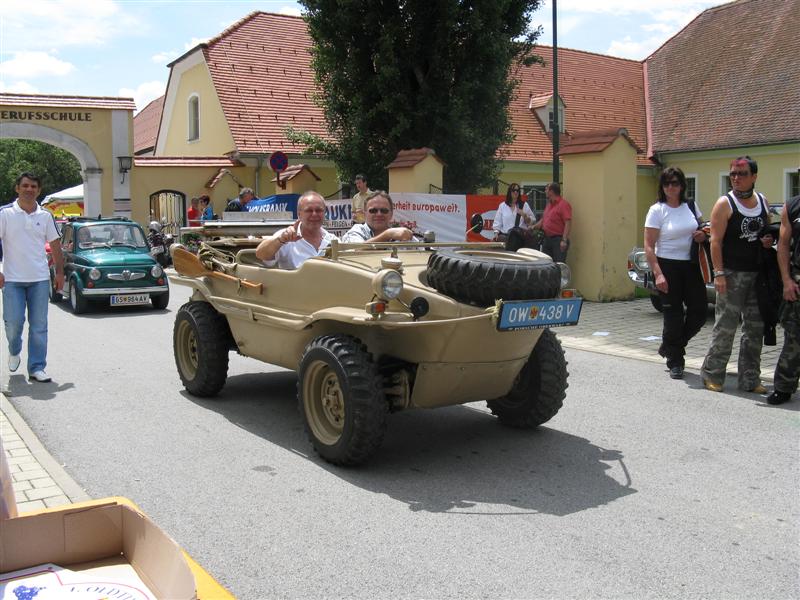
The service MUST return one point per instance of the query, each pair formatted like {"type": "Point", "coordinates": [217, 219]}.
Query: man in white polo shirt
{"type": "Point", "coordinates": [25, 280]}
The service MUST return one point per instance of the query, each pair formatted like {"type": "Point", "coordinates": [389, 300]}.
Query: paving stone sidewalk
{"type": "Point", "coordinates": [630, 329]}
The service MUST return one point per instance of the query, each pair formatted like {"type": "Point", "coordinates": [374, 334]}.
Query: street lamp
{"type": "Point", "coordinates": [125, 164]}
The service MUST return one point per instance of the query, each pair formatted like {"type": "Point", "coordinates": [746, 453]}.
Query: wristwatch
{"type": "Point", "coordinates": [722, 273]}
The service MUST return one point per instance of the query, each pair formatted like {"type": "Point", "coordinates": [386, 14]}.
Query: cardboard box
{"type": "Point", "coordinates": [108, 538]}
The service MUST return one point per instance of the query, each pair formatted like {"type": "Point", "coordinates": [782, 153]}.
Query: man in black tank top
{"type": "Point", "coordinates": [736, 220]}
{"type": "Point", "coordinates": [787, 371]}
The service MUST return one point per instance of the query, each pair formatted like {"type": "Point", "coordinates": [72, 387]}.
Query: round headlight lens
{"type": "Point", "coordinates": [94, 274]}
{"type": "Point", "coordinates": [387, 284]}
{"type": "Point", "coordinates": [641, 261]}
{"type": "Point", "coordinates": [156, 271]}
{"type": "Point", "coordinates": [566, 274]}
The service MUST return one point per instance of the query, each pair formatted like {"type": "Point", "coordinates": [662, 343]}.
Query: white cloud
{"type": "Point", "coordinates": [144, 93]}
{"type": "Point", "coordinates": [625, 7]}
{"type": "Point", "coordinates": [659, 27]}
{"type": "Point", "coordinates": [34, 64]}
{"type": "Point", "coordinates": [628, 48]}
{"type": "Point", "coordinates": [164, 57]}
{"type": "Point", "coordinates": [194, 42]}
{"type": "Point", "coordinates": [289, 10]}
{"type": "Point", "coordinates": [18, 87]}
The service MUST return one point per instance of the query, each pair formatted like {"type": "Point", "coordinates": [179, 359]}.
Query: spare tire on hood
{"type": "Point", "coordinates": [481, 277]}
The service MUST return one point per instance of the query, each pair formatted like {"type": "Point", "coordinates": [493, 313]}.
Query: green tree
{"type": "Point", "coordinates": [58, 168]}
{"type": "Point", "coordinates": [394, 75]}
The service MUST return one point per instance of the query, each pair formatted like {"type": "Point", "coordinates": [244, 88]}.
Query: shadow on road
{"type": "Point", "coordinates": [456, 459]}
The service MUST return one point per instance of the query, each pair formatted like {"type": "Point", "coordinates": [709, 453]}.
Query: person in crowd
{"type": "Point", "coordinates": [25, 280]}
{"type": "Point", "coordinates": [556, 223]}
{"type": "Point", "coordinates": [669, 229]}
{"type": "Point", "coordinates": [737, 218]}
{"type": "Point", "coordinates": [206, 212]}
{"type": "Point", "coordinates": [787, 370]}
{"type": "Point", "coordinates": [513, 213]}
{"type": "Point", "coordinates": [305, 238]}
{"type": "Point", "coordinates": [193, 214]}
{"type": "Point", "coordinates": [379, 210]}
{"type": "Point", "coordinates": [240, 204]}
{"type": "Point", "coordinates": [360, 199]}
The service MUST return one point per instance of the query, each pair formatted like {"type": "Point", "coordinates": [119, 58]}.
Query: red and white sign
{"type": "Point", "coordinates": [446, 214]}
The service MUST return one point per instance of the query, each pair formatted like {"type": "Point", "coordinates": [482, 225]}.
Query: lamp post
{"type": "Point", "coordinates": [556, 103]}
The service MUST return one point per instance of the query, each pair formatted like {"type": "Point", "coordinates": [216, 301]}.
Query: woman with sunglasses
{"type": "Point", "coordinates": [512, 213]}
{"type": "Point", "coordinates": [379, 211]}
{"type": "Point", "coordinates": [670, 228]}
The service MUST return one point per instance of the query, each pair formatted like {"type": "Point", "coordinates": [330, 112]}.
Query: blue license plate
{"type": "Point", "coordinates": [536, 314]}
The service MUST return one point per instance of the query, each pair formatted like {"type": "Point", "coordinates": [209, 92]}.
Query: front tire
{"type": "Point", "coordinates": [341, 398]}
{"type": "Point", "coordinates": [160, 301]}
{"type": "Point", "coordinates": [200, 341]}
{"type": "Point", "coordinates": [77, 300]}
{"type": "Point", "coordinates": [540, 387]}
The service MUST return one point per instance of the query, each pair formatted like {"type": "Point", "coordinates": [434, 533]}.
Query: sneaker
{"type": "Point", "coordinates": [676, 373]}
{"type": "Point", "coordinates": [712, 387]}
{"type": "Point", "coordinates": [39, 376]}
{"type": "Point", "coordinates": [13, 362]}
{"type": "Point", "coordinates": [777, 397]}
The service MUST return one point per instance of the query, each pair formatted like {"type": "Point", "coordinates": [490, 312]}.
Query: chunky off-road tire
{"type": "Point", "coordinates": [201, 340]}
{"type": "Point", "coordinates": [340, 395]}
{"type": "Point", "coordinates": [539, 389]}
{"type": "Point", "coordinates": [655, 300]}
{"type": "Point", "coordinates": [160, 301]}
{"type": "Point", "coordinates": [482, 276]}
{"type": "Point", "coordinates": [77, 301]}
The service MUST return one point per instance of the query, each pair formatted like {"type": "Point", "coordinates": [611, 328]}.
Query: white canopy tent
{"type": "Point", "coordinates": [73, 194]}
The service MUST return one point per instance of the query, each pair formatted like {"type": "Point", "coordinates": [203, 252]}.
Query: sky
{"type": "Point", "coordinates": [121, 48]}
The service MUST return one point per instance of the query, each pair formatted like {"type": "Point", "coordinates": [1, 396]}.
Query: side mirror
{"type": "Point", "coordinates": [476, 223]}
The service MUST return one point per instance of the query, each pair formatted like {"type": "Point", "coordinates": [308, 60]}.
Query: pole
{"type": "Point", "coordinates": [556, 103]}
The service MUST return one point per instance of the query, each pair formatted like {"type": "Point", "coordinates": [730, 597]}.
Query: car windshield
{"type": "Point", "coordinates": [108, 235]}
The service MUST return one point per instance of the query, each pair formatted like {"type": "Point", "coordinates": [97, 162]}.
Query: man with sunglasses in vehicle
{"type": "Point", "coordinates": [737, 220]}
{"type": "Point", "coordinates": [379, 209]}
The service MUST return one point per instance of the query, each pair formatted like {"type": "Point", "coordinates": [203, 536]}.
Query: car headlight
{"type": "Point", "coordinates": [387, 284]}
{"type": "Point", "coordinates": [566, 274]}
{"type": "Point", "coordinates": [156, 271]}
{"type": "Point", "coordinates": [94, 274]}
{"type": "Point", "coordinates": [640, 260]}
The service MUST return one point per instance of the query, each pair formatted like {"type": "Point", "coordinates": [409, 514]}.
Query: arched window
{"type": "Point", "coordinates": [194, 118]}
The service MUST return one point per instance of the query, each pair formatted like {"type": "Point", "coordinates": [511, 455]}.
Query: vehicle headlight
{"type": "Point", "coordinates": [156, 271]}
{"type": "Point", "coordinates": [387, 284]}
{"type": "Point", "coordinates": [566, 274]}
{"type": "Point", "coordinates": [94, 274]}
{"type": "Point", "coordinates": [640, 260]}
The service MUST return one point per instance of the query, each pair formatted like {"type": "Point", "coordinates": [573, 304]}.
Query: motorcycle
{"type": "Point", "coordinates": [159, 244]}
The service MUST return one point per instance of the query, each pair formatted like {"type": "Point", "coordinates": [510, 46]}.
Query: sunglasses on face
{"type": "Point", "coordinates": [515, 189]}
{"type": "Point", "coordinates": [733, 174]}
{"type": "Point", "coordinates": [672, 183]}
{"type": "Point", "coordinates": [374, 211]}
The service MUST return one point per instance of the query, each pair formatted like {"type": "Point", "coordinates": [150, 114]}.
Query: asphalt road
{"type": "Point", "coordinates": [641, 487]}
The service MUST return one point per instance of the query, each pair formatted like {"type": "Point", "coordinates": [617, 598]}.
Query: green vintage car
{"type": "Point", "coordinates": [108, 260]}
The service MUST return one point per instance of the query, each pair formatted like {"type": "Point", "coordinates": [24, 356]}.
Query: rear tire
{"type": "Point", "coordinates": [655, 300]}
{"type": "Point", "coordinates": [201, 339]}
{"type": "Point", "coordinates": [340, 395]}
{"type": "Point", "coordinates": [540, 387]}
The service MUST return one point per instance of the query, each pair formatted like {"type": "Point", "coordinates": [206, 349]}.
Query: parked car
{"type": "Point", "coordinates": [108, 260]}
{"type": "Point", "coordinates": [642, 277]}
{"type": "Point", "coordinates": [373, 329]}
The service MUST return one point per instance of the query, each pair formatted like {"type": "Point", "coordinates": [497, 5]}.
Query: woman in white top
{"type": "Point", "coordinates": [506, 217]}
{"type": "Point", "coordinates": [669, 229]}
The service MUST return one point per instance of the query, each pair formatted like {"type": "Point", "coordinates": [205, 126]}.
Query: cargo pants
{"type": "Point", "coordinates": [738, 301]}
{"type": "Point", "coordinates": [787, 371]}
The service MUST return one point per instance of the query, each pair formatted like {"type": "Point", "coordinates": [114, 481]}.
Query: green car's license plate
{"type": "Point", "coordinates": [536, 314]}
{"type": "Point", "coordinates": [129, 299]}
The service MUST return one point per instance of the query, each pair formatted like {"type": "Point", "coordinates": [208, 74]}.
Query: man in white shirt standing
{"type": "Point", "coordinates": [24, 229]}
{"type": "Point", "coordinates": [305, 238]}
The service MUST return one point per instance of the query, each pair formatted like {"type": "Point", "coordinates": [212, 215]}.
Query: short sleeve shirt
{"type": "Point", "coordinates": [506, 216]}
{"type": "Point", "coordinates": [293, 254]}
{"type": "Point", "coordinates": [358, 204]}
{"type": "Point", "coordinates": [676, 226]}
{"type": "Point", "coordinates": [24, 236]}
{"type": "Point", "coordinates": [360, 232]}
{"type": "Point", "coordinates": [555, 217]}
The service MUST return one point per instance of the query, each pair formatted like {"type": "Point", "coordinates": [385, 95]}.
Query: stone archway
{"type": "Point", "coordinates": [90, 167]}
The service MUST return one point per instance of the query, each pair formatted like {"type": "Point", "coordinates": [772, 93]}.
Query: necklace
{"type": "Point", "coordinates": [744, 195]}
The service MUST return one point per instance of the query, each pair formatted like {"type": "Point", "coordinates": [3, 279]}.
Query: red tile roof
{"type": "Point", "coordinates": [294, 171]}
{"type": "Point", "coordinates": [68, 101]}
{"type": "Point", "coordinates": [145, 126]}
{"type": "Point", "coordinates": [261, 68]}
{"type": "Point", "coordinates": [186, 161]}
{"type": "Point", "coordinates": [728, 79]}
{"type": "Point", "coordinates": [595, 141]}
{"type": "Point", "coordinates": [599, 92]}
{"type": "Point", "coordinates": [409, 158]}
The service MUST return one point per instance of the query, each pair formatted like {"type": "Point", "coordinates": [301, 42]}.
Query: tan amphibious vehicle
{"type": "Point", "coordinates": [373, 329]}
